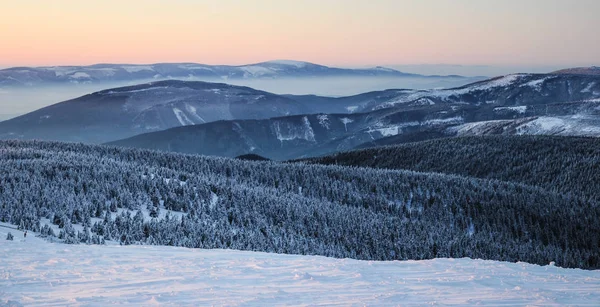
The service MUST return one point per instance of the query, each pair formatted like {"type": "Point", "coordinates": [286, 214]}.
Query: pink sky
{"type": "Point", "coordinates": [331, 32]}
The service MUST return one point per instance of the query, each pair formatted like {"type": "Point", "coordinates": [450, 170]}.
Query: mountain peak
{"type": "Point", "coordinates": [592, 70]}
{"type": "Point", "coordinates": [289, 63]}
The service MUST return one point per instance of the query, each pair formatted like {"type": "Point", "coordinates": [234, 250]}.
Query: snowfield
{"type": "Point", "coordinates": [34, 272]}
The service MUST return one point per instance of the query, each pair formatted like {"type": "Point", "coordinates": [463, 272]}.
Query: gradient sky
{"type": "Point", "coordinates": [331, 32]}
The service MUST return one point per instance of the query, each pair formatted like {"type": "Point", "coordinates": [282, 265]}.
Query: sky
{"type": "Point", "coordinates": [349, 33]}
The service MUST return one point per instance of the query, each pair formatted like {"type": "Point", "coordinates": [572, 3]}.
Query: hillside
{"type": "Point", "coordinates": [123, 112]}
{"type": "Point", "coordinates": [567, 165]}
{"type": "Point", "coordinates": [549, 104]}
{"type": "Point", "coordinates": [293, 137]}
{"type": "Point", "coordinates": [92, 194]}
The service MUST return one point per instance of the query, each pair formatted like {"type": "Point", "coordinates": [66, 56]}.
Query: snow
{"type": "Point", "coordinates": [182, 118]}
{"type": "Point", "coordinates": [105, 71]}
{"type": "Point", "coordinates": [323, 121]}
{"type": "Point", "coordinates": [297, 64]}
{"type": "Point", "coordinates": [578, 124]}
{"type": "Point", "coordinates": [424, 101]}
{"type": "Point", "coordinates": [286, 131]}
{"type": "Point", "coordinates": [352, 109]}
{"type": "Point", "coordinates": [139, 90]}
{"type": "Point", "coordinates": [381, 68]}
{"type": "Point", "coordinates": [194, 67]}
{"type": "Point", "coordinates": [548, 123]}
{"type": "Point", "coordinates": [34, 272]}
{"type": "Point", "coordinates": [60, 71]}
{"type": "Point", "coordinates": [443, 121]}
{"type": "Point", "coordinates": [519, 109]}
{"type": "Point", "coordinates": [536, 84]}
{"type": "Point", "coordinates": [137, 68]}
{"type": "Point", "coordinates": [346, 121]}
{"type": "Point", "coordinates": [194, 112]}
{"type": "Point", "coordinates": [500, 82]}
{"type": "Point", "coordinates": [80, 75]}
{"type": "Point", "coordinates": [389, 131]}
{"type": "Point", "coordinates": [588, 88]}
{"type": "Point", "coordinates": [420, 96]}
{"type": "Point", "coordinates": [256, 71]}
{"type": "Point", "coordinates": [572, 125]}
{"type": "Point", "coordinates": [477, 128]}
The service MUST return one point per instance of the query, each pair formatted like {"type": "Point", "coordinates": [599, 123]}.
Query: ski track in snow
{"type": "Point", "coordinates": [34, 272]}
{"type": "Point", "coordinates": [182, 118]}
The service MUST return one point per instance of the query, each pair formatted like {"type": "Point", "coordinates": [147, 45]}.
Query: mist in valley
{"type": "Point", "coordinates": [15, 101]}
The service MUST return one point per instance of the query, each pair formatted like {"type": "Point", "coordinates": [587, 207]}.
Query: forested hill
{"type": "Point", "coordinates": [560, 164]}
{"type": "Point", "coordinates": [90, 194]}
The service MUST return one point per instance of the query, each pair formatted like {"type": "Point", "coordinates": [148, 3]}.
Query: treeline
{"type": "Point", "coordinates": [569, 165]}
{"type": "Point", "coordinates": [119, 194]}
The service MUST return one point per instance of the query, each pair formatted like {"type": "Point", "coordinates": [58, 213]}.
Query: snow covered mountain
{"type": "Point", "coordinates": [312, 135]}
{"type": "Point", "coordinates": [122, 112]}
{"type": "Point", "coordinates": [23, 76]}
{"type": "Point", "coordinates": [401, 114]}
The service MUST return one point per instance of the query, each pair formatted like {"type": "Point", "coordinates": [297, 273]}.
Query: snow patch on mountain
{"type": "Point", "coordinates": [389, 131]}
{"type": "Point", "coordinates": [500, 82]}
{"type": "Point", "coordinates": [194, 67]}
{"type": "Point", "coordinates": [519, 109]}
{"type": "Point", "coordinates": [182, 118]}
{"type": "Point", "coordinates": [478, 128]}
{"type": "Point", "coordinates": [256, 71]}
{"type": "Point", "coordinates": [537, 84]}
{"type": "Point", "coordinates": [443, 121]}
{"type": "Point", "coordinates": [153, 88]}
{"type": "Point", "coordinates": [422, 97]}
{"type": "Point", "coordinates": [324, 121]}
{"type": "Point", "coordinates": [588, 88]}
{"type": "Point", "coordinates": [194, 112]}
{"type": "Point", "coordinates": [352, 109]}
{"type": "Point", "coordinates": [346, 121]}
{"type": "Point", "coordinates": [137, 68]}
{"type": "Point", "coordinates": [381, 68]}
{"type": "Point", "coordinates": [297, 64]}
{"type": "Point", "coordinates": [573, 125]}
{"type": "Point", "coordinates": [80, 75]}
{"type": "Point", "coordinates": [288, 131]}
{"type": "Point", "coordinates": [581, 125]}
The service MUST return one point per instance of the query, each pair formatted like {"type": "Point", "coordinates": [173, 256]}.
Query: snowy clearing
{"type": "Point", "coordinates": [34, 272]}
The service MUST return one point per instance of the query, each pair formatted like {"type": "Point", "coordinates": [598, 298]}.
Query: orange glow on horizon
{"type": "Point", "coordinates": [332, 32]}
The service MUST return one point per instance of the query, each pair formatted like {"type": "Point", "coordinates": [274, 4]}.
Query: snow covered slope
{"type": "Point", "coordinates": [37, 273]}
{"type": "Point", "coordinates": [123, 112]}
{"type": "Point", "coordinates": [573, 125]}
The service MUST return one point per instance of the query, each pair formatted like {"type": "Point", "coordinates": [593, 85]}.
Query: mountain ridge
{"type": "Point", "coordinates": [514, 104]}
{"type": "Point", "coordinates": [27, 76]}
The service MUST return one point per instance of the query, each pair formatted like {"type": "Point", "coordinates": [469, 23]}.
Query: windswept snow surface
{"type": "Point", "coordinates": [34, 272]}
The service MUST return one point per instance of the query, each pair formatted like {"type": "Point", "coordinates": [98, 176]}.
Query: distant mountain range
{"type": "Point", "coordinates": [24, 76]}
{"type": "Point", "coordinates": [226, 120]}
